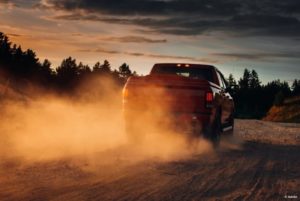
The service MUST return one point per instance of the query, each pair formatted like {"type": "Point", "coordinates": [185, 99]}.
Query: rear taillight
{"type": "Point", "coordinates": [209, 97]}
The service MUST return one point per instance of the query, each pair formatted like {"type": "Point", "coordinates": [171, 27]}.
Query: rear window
{"type": "Point", "coordinates": [190, 72]}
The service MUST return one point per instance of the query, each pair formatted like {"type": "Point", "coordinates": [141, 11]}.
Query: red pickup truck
{"type": "Point", "coordinates": [191, 98]}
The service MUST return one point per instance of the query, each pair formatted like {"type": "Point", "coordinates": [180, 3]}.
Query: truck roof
{"type": "Point", "coordinates": [194, 71]}
{"type": "Point", "coordinates": [185, 65]}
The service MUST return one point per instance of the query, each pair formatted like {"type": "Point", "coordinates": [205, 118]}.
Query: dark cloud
{"type": "Point", "coordinates": [7, 3]}
{"type": "Point", "coordinates": [150, 7]}
{"type": "Point", "coordinates": [135, 39]}
{"type": "Point", "coordinates": [259, 56]}
{"type": "Point", "coordinates": [125, 39]}
{"type": "Point", "coordinates": [100, 50]}
{"type": "Point", "coordinates": [150, 55]}
{"type": "Point", "coordinates": [191, 17]}
{"type": "Point", "coordinates": [242, 25]}
{"type": "Point", "coordinates": [15, 35]}
{"type": "Point", "coordinates": [20, 3]}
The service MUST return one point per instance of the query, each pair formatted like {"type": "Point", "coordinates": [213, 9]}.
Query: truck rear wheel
{"type": "Point", "coordinates": [213, 132]}
{"type": "Point", "coordinates": [216, 135]}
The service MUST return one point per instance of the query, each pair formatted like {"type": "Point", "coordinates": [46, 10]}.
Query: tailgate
{"type": "Point", "coordinates": [168, 93]}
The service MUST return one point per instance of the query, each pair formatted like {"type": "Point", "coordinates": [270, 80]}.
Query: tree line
{"type": "Point", "coordinates": [253, 99]}
{"type": "Point", "coordinates": [22, 68]}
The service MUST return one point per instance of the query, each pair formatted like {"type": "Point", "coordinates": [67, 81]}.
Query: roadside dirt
{"type": "Point", "coordinates": [260, 162]}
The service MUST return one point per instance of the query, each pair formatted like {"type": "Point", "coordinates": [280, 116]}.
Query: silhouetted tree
{"type": "Point", "coordinates": [270, 90]}
{"type": "Point", "coordinates": [46, 73]}
{"type": "Point", "coordinates": [134, 73]}
{"type": "Point", "coordinates": [105, 67]}
{"type": "Point", "coordinates": [244, 82]}
{"type": "Point", "coordinates": [252, 99]}
{"type": "Point", "coordinates": [97, 67]}
{"type": "Point", "coordinates": [125, 71]}
{"type": "Point", "coordinates": [254, 81]}
{"type": "Point", "coordinates": [46, 64]}
{"type": "Point", "coordinates": [102, 69]}
{"type": "Point", "coordinates": [84, 70]}
{"type": "Point", "coordinates": [232, 85]}
{"type": "Point", "coordinates": [30, 65]}
{"type": "Point", "coordinates": [67, 73]}
{"type": "Point", "coordinates": [296, 87]}
{"type": "Point", "coordinates": [5, 50]}
{"type": "Point", "coordinates": [275, 86]}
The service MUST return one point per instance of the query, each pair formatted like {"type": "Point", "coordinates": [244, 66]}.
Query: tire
{"type": "Point", "coordinates": [213, 133]}
{"type": "Point", "coordinates": [229, 132]}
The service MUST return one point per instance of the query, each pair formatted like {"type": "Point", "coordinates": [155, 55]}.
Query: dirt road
{"type": "Point", "coordinates": [262, 162]}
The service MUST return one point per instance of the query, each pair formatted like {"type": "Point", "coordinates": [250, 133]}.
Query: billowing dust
{"type": "Point", "coordinates": [89, 126]}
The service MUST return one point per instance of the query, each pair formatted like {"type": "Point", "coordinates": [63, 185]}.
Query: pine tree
{"type": "Point", "coordinates": [105, 67]}
{"type": "Point", "coordinates": [96, 67]}
{"type": "Point", "coordinates": [296, 87]}
{"type": "Point", "coordinates": [67, 73]}
{"type": "Point", "coordinates": [102, 69]}
{"type": "Point", "coordinates": [232, 86]}
{"type": "Point", "coordinates": [124, 71]}
{"type": "Point", "coordinates": [231, 82]}
{"type": "Point", "coordinates": [244, 82]}
{"type": "Point", "coordinates": [254, 81]}
{"type": "Point", "coordinates": [5, 50]}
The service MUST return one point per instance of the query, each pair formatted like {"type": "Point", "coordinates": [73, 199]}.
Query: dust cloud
{"type": "Point", "coordinates": [88, 126]}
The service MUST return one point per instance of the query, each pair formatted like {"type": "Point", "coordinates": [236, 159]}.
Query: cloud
{"type": "Point", "coordinates": [258, 56]}
{"type": "Point", "coordinates": [148, 7]}
{"type": "Point", "coordinates": [240, 25]}
{"type": "Point", "coordinates": [15, 35]}
{"type": "Point", "coordinates": [100, 50]}
{"type": "Point", "coordinates": [190, 17]}
{"type": "Point", "coordinates": [7, 4]}
{"type": "Point", "coordinates": [150, 55]}
{"type": "Point", "coordinates": [124, 39]}
{"type": "Point", "coordinates": [4, 1]}
{"type": "Point", "coordinates": [19, 3]}
{"type": "Point", "coordinates": [135, 39]}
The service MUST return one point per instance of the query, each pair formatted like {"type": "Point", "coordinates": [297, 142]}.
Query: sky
{"type": "Point", "coordinates": [263, 35]}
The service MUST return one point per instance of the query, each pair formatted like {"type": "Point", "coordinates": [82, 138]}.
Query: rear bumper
{"type": "Point", "coordinates": [191, 122]}
{"type": "Point", "coordinates": [179, 121]}
{"type": "Point", "coordinates": [191, 117]}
